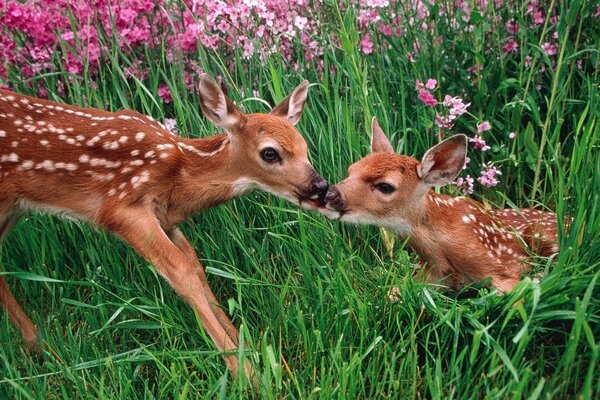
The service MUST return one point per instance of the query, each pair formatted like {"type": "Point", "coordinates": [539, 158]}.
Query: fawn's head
{"type": "Point", "coordinates": [266, 149]}
{"type": "Point", "coordinates": [385, 188]}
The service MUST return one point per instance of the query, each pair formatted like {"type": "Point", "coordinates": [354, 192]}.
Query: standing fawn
{"type": "Point", "coordinates": [457, 238]}
{"type": "Point", "coordinates": [126, 173]}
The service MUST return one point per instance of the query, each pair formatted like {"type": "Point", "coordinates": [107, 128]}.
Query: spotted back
{"type": "Point", "coordinates": [538, 229]}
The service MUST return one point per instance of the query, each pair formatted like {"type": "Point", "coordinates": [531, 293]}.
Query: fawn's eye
{"type": "Point", "coordinates": [270, 155]}
{"type": "Point", "coordinates": [384, 188]}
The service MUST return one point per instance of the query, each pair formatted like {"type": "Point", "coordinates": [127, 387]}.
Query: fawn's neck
{"type": "Point", "coordinates": [435, 224]}
{"type": "Point", "coordinates": [207, 176]}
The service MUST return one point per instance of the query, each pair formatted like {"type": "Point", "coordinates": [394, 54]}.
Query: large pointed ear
{"type": "Point", "coordinates": [379, 142]}
{"type": "Point", "coordinates": [444, 161]}
{"type": "Point", "coordinates": [291, 107]}
{"type": "Point", "coordinates": [216, 106]}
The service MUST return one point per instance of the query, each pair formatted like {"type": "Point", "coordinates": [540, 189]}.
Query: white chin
{"type": "Point", "coordinates": [331, 214]}
{"type": "Point", "coordinates": [308, 204]}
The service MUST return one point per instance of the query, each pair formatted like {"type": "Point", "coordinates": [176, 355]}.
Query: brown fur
{"type": "Point", "coordinates": [126, 173]}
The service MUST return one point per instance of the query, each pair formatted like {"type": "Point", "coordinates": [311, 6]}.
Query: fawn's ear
{"type": "Point", "coordinates": [379, 142]}
{"type": "Point", "coordinates": [444, 161]}
{"type": "Point", "coordinates": [217, 107]}
{"type": "Point", "coordinates": [291, 107]}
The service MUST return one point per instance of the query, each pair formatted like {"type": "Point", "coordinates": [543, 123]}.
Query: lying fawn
{"type": "Point", "coordinates": [126, 173]}
{"type": "Point", "coordinates": [458, 239]}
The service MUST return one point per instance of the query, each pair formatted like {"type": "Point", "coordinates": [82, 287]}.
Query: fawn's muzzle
{"type": "Point", "coordinates": [314, 193]}
{"type": "Point", "coordinates": [334, 199]}
{"type": "Point", "coordinates": [319, 187]}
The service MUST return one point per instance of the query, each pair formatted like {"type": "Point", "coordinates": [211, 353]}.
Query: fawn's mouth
{"type": "Point", "coordinates": [311, 201]}
{"type": "Point", "coordinates": [315, 201]}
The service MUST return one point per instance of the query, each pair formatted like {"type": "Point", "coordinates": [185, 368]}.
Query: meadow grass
{"type": "Point", "coordinates": [311, 295]}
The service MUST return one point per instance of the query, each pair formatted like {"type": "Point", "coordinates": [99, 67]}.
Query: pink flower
{"type": "Point", "coordinates": [366, 45]}
{"type": "Point", "coordinates": [465, 184]}
{"type": "Point", "coordinates": [527, 61]}
{"type": "Point", "coordinates": [164, 93]}
{"type": "Point", "coordinates": [427, 98]}
{"type": "Point", "coordinates": [377, 3]}
{"type": "Point", "coordinates": [419, 85]}
{"type": "Point", "coordinates": [300, 22]}
{"type": "Point", "coordinates": [456, 105]}
{"type": "Point", "coordinates": [171, 125]}
{"type": "Point", "coordinates": [538, 17]}
{"type": "Point", "coordinates": [512, 28]}
{"type": "Point", "coordinates": [512, 135]}
{"type": "Point", "coordinates": [488, 176]}
{"type": "Point", "coordinates": [479, 143]}
{"type": "Point", "coordinates": [248, 50]}
{"type": "Point", "coordinates": [386, 30]}
{"type": "Point", "coordinates": [445, 122]}
{"type": "Point", "coordinates": [597, 13]}
{"type": "Point", "coordinates": [431, 84]}
{"type": "Point", "coordinates": [511, 46]}
{"type": "Point", "coordinates": [549, 49]}
{"type": "Point", "coordinates": [484, 126]}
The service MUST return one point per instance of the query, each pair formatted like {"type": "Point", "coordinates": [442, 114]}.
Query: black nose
{"type": "Point", "coordinates": [333, 195]}
{"type": "Point", "coordinates": [320, 186]}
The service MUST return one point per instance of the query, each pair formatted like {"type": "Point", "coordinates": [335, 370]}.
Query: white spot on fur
{"type": "Point", "coordinates": [27, 165]}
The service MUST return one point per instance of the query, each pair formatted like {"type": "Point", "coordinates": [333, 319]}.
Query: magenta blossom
{"type": "Point", "coordinates": [549, 49]}
{"type": "Point", "coordinates": [366, 44]}
{"type": "Point", "coordinates": [456, 105]}
{"type": "Point", "coordinates": [427, 98]}
{"type": "Point", "coordinates": [511, 46]}
{"type": "Point", "coordinates": [465, 184]}
{"type": "Point", "coordinates": [484, 126]}
{"type": "Point", "coordinates": [512, 28]}
{"type": "Point", "coordinates": [171, 125]}
{"type": "Point", "coordinates": [164, 93]}
{"type": "Point", "coordinates": [479, 143]}
{"type": "Point", "coordinates": [431, 84]}
{"type": "Point", "coordinates": [488, 176]}
{"type": "Point", "coordinates": [445, 122]}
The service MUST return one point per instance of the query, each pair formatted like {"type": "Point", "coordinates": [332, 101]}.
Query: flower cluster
{"type": "Point", "coordinates": [445, 117]}
{"type": "Point", "coordinates": [488, 176]}
{"type": "Point", "coordinates": [36, 37]}
{"type": "Point", "coordinates": [33, 34]}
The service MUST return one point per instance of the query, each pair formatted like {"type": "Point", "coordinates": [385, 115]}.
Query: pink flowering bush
{"type": "Point", "coordinates": [36, 37]}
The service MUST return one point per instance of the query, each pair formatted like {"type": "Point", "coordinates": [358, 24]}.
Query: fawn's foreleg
{"type": "Point", "coordinates": [140, 228]}
{"type": "Point", "coordinates": [184, 245]}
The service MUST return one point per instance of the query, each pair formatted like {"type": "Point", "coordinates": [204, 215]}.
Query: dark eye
{"type": "Point", "coordinates": [270, 155]}
{"type": "Point", "coordinates": [384, 188]}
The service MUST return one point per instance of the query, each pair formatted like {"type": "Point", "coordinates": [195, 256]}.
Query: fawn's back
{"type": "Point", "coordinates": [77, 159]}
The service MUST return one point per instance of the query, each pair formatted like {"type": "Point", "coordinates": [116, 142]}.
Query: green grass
{"type": "Point", "coordinates": [311, 294]}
